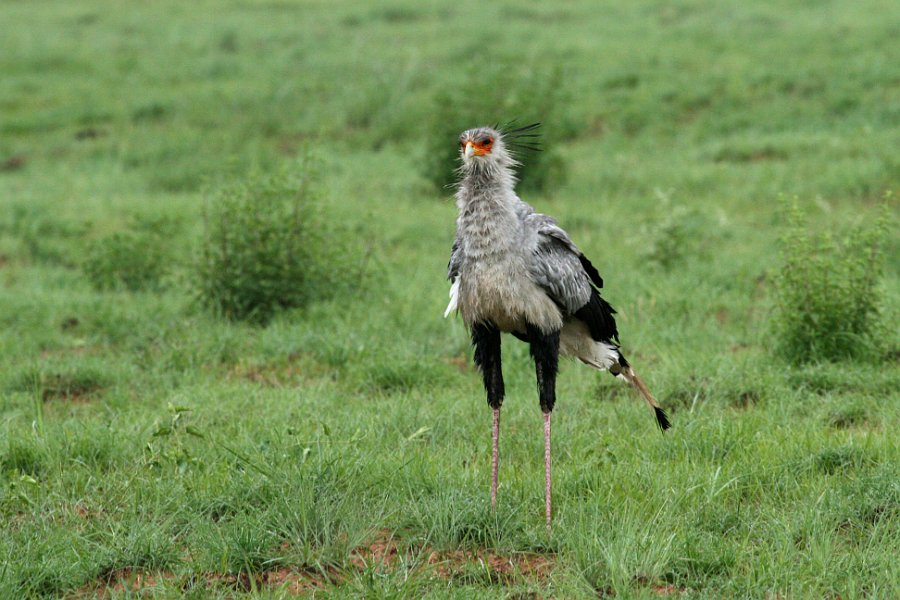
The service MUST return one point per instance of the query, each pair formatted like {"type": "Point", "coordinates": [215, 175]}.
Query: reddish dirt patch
{"type": "Point", "coordinates": [745, 400]}
{"type": "Point", "coordinates": [242, 582]}
{"type": "Point", "coordinates": [460, 362]}
{"type": "Point", "coordinates": [70, 351]}
{"type": "Point", "coordinates": [74, 395]}
{"type": "Point", "coordinates": [667, 590]}
{"type": "Point", "coordinates": [82, 511]}
{"type": "Point", "coordinates": [89, 133]}
{"type": "Point", "coordinates": [597, 127]}
{"type": "Point", "coordinates": [299, 367]}
{"type": "Point", "coordinates": [382, 551]}
{"type": "Point", "coordinates": [130, 580]}
{"type": "Point", "coordinates": [449, 564]}
{"type": "Point", "coordinates": [264, 375]}
{"type": "Point", "coordinates": [289, 144]}
{"type": "Point", "coordinates": [294, 582]}
{"type": "Point", "coordinates": [735, 348]}
{"type": "Point", "coordinates": [13, 163]}
{"type": "Point", "coordinates": [72, 389]}
{"type": "Point", "coordinates": [657, 589]}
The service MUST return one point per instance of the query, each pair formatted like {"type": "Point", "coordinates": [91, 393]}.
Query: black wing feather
{"type": "Point", "coordinates": [597, 314]}
{"type": "Point", "coordinates": [591, 270]}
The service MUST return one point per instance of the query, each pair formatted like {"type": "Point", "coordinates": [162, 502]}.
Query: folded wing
{"type": "Point", "coordinates": [569, 278]}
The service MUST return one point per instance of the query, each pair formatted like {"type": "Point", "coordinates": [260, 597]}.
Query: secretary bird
{"type": "Point", "coordinates": [516, 271]}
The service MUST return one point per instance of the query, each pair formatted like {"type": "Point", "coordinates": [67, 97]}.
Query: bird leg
{"type": "Point", "coordinates": [545, 351]}
{"type": "Point", "coordinates": [547, 479]}
{"type": "Point", "coordinates": [495, 457]}
{"type": "Point", "coordinates": [486, 339]}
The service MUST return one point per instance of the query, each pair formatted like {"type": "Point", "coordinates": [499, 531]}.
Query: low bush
{"type": "Point", "coordinates": [131, 260]}
{"type": "Point", "coordinates": [680, 234]}
{"type": "Point", "coordinates": [828, 292]}
{"type": "Point", "coordinates": [269, 245]}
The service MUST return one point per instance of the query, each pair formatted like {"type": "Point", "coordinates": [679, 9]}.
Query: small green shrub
{"type": "Point", "coordinates": [269, 246]}
{"type": "Point", "coordinates": [679, 235]}
{"type": "Point", "coordinates": [130, 260]}
{"type": "Point", "coordinates": [497, 94]}
{"type": "Point", "coordinates": [828, 292]}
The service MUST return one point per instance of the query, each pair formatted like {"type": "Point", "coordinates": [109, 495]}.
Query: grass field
{"type": "Point", "coordinates": [149, 448]}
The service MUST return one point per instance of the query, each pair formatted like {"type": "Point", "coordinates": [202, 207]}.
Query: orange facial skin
{"type": "Point", "coordinates": [479, 148]}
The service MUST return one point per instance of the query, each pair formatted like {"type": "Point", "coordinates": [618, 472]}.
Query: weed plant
{"type": "Point", "coordinates": [269, 246]}
{"type": "Point", "coordinates": [679, 235]}
{"type": "Point", "coordinates": [829, 293]}
{"type": "Point", "coordinates": [126, 260]}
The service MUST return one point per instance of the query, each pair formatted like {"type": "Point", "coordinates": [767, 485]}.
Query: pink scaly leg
{"type": "Point", "coordinates": [547, 479]}
{"type": "Point", "coordinates": [495, 457]}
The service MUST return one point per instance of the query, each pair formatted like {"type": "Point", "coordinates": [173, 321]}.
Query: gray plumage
{"type": "Point", "coordinates": [517, 271]}
{"type": "Point", "coordinates": [510, 266]}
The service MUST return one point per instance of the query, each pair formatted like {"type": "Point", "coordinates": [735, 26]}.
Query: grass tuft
{"type": "Point", "coordinates": [126, 260]}
{"type": "Point", "coordinates": [23, 454]}
{"type": "Point", "coordinates": [832, 461]}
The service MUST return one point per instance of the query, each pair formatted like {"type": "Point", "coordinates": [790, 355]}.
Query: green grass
{"type": "Point", "coordinates": [142, 437]}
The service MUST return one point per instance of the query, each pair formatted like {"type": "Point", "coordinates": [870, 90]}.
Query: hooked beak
{"type": "Point", "coordinates": [470, 150]}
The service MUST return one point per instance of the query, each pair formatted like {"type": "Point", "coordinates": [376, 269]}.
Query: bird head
{"type": "Point", "coordinates": [492, 149]}
{"type": "Point", "coordinates": [481, 144]}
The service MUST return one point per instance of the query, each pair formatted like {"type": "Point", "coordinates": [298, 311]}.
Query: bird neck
{"type": "Point", "coordinates": [488, 185]}
{"type": "Point", "coordinates": [488, 223]}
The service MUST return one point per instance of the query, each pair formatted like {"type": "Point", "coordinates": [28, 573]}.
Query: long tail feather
{"type": "Point", "coordinates": [631, 377]}
{"type": "Point", "coordinates": [606, 356]}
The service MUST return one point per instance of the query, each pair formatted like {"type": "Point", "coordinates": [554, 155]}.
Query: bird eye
{"type": "Point", "coordinates": [487, 142]}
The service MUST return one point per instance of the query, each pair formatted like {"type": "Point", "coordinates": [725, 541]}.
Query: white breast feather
{"type": "Point", "coordinates": [454, 296]}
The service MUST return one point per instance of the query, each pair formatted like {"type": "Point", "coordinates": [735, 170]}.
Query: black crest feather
{"type": "Point", "coordinates": [523, 137]}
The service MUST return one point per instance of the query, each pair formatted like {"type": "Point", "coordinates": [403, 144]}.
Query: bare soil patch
{"type": "Point", "coordinates": [299, 368]}
{"type": "Point", "coordinates": [13, 163]}
{"type": "Point", "coordinates": [384, 551]}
